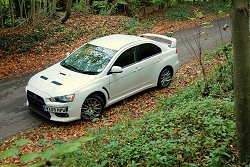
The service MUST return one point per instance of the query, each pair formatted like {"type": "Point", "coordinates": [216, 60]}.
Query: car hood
{"type": "Point", "coordinates": [57, 80]}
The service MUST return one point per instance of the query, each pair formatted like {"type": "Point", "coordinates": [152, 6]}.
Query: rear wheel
{"type": "Point", "coordinates": [92, 107]}
{"type": "Point", "coordinates": [165, 77]}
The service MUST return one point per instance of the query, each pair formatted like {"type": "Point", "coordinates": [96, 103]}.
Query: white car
{"type": "Point", "coordinates": [100, 73]}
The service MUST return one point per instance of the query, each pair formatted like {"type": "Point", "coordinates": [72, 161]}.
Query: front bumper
{"type": "Point", "coordinates": [38, 102]}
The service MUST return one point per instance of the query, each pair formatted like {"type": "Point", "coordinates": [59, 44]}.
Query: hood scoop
{"type": "Point", "coordinates": [53, 82]}
{"type": "Point", "coordinates": [43, 77]}
{"type": "Point", "coordinates": [56, 83]}
{"type": "Point", "coordinates": [62, 73]}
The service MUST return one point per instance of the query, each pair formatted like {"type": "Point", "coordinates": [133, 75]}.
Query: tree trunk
{"type": "Point", "coordinates": [45, 5]}
{"type": "Point", "coordinates": [68, 11]}
{"type": "Point", "coordinates": [49, 4]}
{"type": "Point", "coordinates": [33, 8]}
{"type": "Point", "coordinates": [11, 14]}
{"type": "Point", "coordinates": [17, 10]}
{"type": "Point", "coordinates": [24, 9]}
{"type": "Point", "coordinates": [53, 6]}
{"type": "Point", "coordinates": [38, 8]}
{"type": "Point", "coordinates": [240, 39]}
{"type": "Point", "coordinates": [21, 8]}
{"type": "Point", "coordinates": [1, 16]}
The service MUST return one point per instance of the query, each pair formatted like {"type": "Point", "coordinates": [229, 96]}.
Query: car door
{"type": "Point", "coordinates": [125, 83]}
{"type": "Point", "coordinates": [149, 59]}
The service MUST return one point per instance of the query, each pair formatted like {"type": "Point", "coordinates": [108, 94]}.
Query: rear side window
{"type": "Point", "coordinates": [146, 50]}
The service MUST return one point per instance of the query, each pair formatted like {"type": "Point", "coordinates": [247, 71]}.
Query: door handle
{"type": "Point", "coordinates": [160, 59]}
{"type": "Point", "coordinates": [137, 69]}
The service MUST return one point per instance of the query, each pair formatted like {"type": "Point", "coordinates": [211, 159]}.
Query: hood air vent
{"type": "Point", "coordinates": [57, 83]}
{"type": "Point", "coordinates": [43, 77]}
{"type": "Point", "coordinates": [62, 73]}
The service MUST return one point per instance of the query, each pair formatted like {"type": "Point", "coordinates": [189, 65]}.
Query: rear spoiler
{"type": "Point", "coordinates": [173, 40]}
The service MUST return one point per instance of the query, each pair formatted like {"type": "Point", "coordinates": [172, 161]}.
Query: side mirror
{"type": "Point", "coordinates": [67, 54]}
{"type": "Point", "coordinates": [116, 69]}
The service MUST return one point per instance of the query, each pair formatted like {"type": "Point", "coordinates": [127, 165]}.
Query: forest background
{"type": "Point", "coordinates": [32, 29]}
{"type": "Point", "coordinates": [175, 130]}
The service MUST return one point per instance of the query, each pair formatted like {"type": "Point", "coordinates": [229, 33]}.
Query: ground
{"type": "Point", "coordinates": [14, 64]}
{"type": "Point", "coordinates": [20, 64]}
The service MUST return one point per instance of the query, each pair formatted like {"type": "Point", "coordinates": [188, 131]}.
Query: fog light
{"type": "Point", "coordinates": [63, 115]}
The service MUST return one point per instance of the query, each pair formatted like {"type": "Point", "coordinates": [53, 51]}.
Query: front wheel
{"type": "Point", "coordinates": [165, 77]}
{"type": "Point", "coordinates": [92, 107]}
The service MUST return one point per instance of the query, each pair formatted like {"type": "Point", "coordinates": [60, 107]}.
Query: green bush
{"type": "Point", "coordinates": [45, 37]}
{"type": "Point", "coordinates": [185, 10]}
{"type": "Point", "coordinates": [212, 7]}
{"type": "Point", "coordinates": [178, 13]}
{"type": "Point", "coordinates": [83, 6]}
{"type": "Point", "coordinates": [185, 130]}
{"type": "Point", "coordinates": [23, 42]}
{"type": "Point", "coordinates": [221, 80]}
{"type": "Point", "coordinates": [46, 157]}
{"type": "Point", "coordinates": [131, 26]}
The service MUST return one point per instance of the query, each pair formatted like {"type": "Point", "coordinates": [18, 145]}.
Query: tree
{"type": "Point", "coordinates": [68, 11]}
{"type": "Point", "coordinates": [11, 14]}
{"type": "Point", "coordinates": [240, 39]}
{"type": "Point", "coordinates": [33, 8]}
{"type": "Point", "coordinates": [53, 6]}
{"type": "Point", "coordinates": [1, 15]}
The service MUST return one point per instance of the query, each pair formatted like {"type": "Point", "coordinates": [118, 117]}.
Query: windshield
{"type": "Point", "coordinates": [89, 59]}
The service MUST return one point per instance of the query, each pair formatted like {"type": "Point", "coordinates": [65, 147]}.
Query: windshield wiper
{"type": "Point", "coordinates": [90, 72]}
{"type": "Point", "coordinates": [70, 67]}
{"type": "Point", "coordinates": [77, 70]}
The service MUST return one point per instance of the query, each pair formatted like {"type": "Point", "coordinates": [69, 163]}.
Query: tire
{"type": "Point", "coordinates": [165, 77]}
{"type": "Point", "coordinates": [92, 107]}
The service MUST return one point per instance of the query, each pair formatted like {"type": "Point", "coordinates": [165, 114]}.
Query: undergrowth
{"type": "Point", "coordinates": [50, 35]}
{"type": "Point", "coordinates": [184, 130]}
{"type": "Point", "coordinates": [185, 10]}
{"type": "Point", "coordinates": [45, 37]}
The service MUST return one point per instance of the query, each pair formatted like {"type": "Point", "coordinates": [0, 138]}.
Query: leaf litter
{"type": "Point", "coordinates": [20, 64]}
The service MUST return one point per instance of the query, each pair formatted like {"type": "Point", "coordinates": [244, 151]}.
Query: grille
{"type": "Point", "coordinates": [36, 104]}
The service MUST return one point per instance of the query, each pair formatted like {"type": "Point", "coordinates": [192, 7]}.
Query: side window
{"type": "Point", "coordinates": [147, 50]}
{"type": "Point", "coordinates": [126, 58]}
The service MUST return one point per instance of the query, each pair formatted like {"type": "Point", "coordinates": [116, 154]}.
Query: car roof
{"type": "Point", "coordinates": [116, 41]}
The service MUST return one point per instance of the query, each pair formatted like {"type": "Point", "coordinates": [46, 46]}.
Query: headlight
{"type": "Point", "coordinates": [63, 99]}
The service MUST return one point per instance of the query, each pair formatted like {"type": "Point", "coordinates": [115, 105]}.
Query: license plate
{"type": "Point", "coordinates": [55, 109]}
